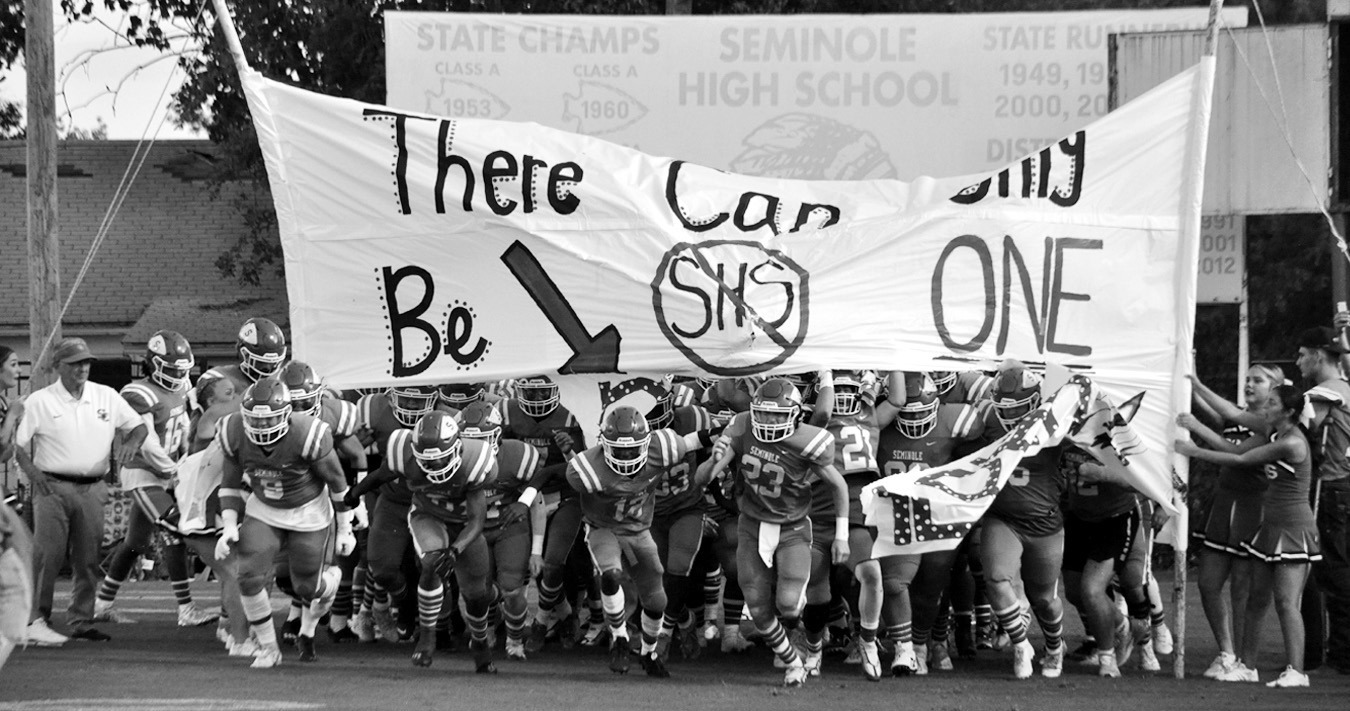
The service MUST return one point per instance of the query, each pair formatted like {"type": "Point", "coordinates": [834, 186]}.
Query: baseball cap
{"type": "Point", "coordinates": [71, 350]}
{"type": "Point", "coordinates": [1323, 337]}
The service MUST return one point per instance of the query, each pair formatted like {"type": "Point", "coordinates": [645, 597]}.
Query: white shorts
{"type": "Point", "coordinates": [313, 516]}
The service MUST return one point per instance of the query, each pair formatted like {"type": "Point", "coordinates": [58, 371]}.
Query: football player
{"type": "Point", "coordinates": [457, 396]}
{"type": "Point", "coordinates": [926, 434]}
{"type": "Point", "coordinates": [287, 461]}
{"type": "Point", "coordinates": [966, 387]}
{"type": "Point", "coordinates": [309, 396]}
{"type": "Point", "coordinates": [261, 346]}
{"type": "Point", "coordinates": [517, 548]}
{"type": "Point", "coordinates": [1022, 533]}
{"type": "Point", "coordinates": [775, 459]}
{"type": "Point", "coordinates": [536, 417]}
{"type": "Point", "coordinates": [617, 484]}
{"type": "Point", "coordinates": [449, 477]}
{"type": "Point", "coordinates": [161, 400]}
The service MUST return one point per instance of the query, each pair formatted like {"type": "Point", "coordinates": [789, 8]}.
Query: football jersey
{"type": "Point", "coordinates": [516, 464]}
{"type": "Point", "coordinates": [169, 412]}
{"type": "Point", "coordinates": [539, 433]}
{"type": "Point", "coordinates": [971, 386]}
{"type": "Point", "coordinates": [774, 478]}
{"type": "Point", "coordinates": [447, 501]}
{"type": "Point", "coordinates": [677, 491]}
{"type": "Point", "coordinates": [1092, 500]}
{"type": "Point", "coordinates": [1030, 500]}
{"type": "Point", "coordinates": [279, 475]}
{"type": "Point", "coordinates": [855, 453]}
{"type": "Point", "coordinates": [956, 424]}
{"type": "Point", "coordinates": [621, 503]}
{"type": "Point", "coordinates": [377, 415]}
{"type": "Point", "coordinates": [342, 416]}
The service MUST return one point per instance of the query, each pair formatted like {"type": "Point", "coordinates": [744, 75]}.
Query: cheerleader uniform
{"type": "Point", "coordinates": [1288, 533]}
{"type": "Point", "coordinates": [1239, 499]}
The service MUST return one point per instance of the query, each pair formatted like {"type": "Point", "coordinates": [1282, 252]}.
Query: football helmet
{"type": "Point", "coordinates": [262, 348]}
{"type": "Point", "coordinates": [461, 395]}
{"type": "Point", "coordinates": [945, 380]}
{"type": "Point", "coordinates": [624, 438]}
{"type": "Point", "coordinates": [266, 411]}
{"type": "Point", "coordinates": [774, 410]}
{"type": "Point", "coordinates": [847, 392]}
{"type": "Point", "coordinates": [168, 358]}
{"type": "Point", "coordinates": [663, 414]}
{"type": "Point", "coordinates": [918, 416]}
{"type": "Point", "coordinates": [1016, 392]}
{"type": "Point", "coordinates": [304, 385]}
{"type": "Point", "coordinates": [801, 381]}
{"type": "Point", "coordinates": [436, 446]}
{"type": "Point", "coordinates": [480, 420]}
{"type": "Point", "coordinates": [537, 395]}
{"type": "Point", "coordinates": [411, 402]}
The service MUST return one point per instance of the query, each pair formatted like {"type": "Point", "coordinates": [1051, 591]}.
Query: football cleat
{"type": "Point", "coordinates": [1148, 659]}
{"type": "Point", "coordinates": [921, 660]}
{"type": "Point", "coordinates": [732, 641]}
{"type": "Point", "coordinates": [595, 636]}
{"type": "Point", "coordinates": [482, 657]}
{"type": "Point", "coordinates": [105, 612]}
{"type": "Point", "coordinates": [984, 637]}
{"type": "Point", "coordinates": [852, 655]}
{"type": "Point", "coordinates": [619, 651]}
{"type": "Point", "coordinates": [710, 632]}
{"type": "Point", "coordinates": [1290, 677]}
{"type": "Point", "coordinates": [445, 640]}
{"type": "Point", "coordinates": [939, 657]}
{"type": "Point", "coordinates": [290, 629]}
{"type": "Point", "coordinates": [965, 638]}
{"type": "Point", "coordinates": [1022, 656]}
{"type": "Point", "coordinates": [246, 648]}
{"type": "Point", "coordinates": [811, 660]}
{"type": "Point", "coordinates": [654, 665]}
{"type": "Point", "coordinates": [383, 622]}
{"type": "Point", "coordinates": [1240, 672]}
{"type": "Point", "coordinates": [305, 644]}
{"type": "Point", "coordinates": [1162, 639]}
{"type": "Point", "coordinates": [795, 676]}
{"type": "Point", "coordinates": [364, 626]}
{"type": "Point", "coordinates": [871, 661]}
{"type": "Point", "coordinates": [342, 635]}
{"type": "Point", "coordinates": [425, 649]}
{"type": "Point", "coordinates": [1222, 663]}
{"type": "Point", "coordinates": [904, 663]}
{"type": "Point", "coordinates": [223, 633]}
{"type": "Point", "coordinates": [190, 615]}
{"type": "Point", "coordinates": [515, 649]}
{"type": "Point", "coordinates": [1084, 653]}
{"type": "Point", "coordinates": [691, 643]}
{"type": "Point", "coordinates": [1052, 664]}
{"type": "Point", "coordinates": [266, 658]}
{"type": "Point", "coordinates": [568, 630]}
{"type": "Point", "coordinates": [1106, 665]}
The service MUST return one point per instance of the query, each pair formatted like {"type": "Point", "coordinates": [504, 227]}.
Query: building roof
{"type": "Point", "coordinates": [209, 324]}
{"type": "Point", "coordinates": [161, 249]}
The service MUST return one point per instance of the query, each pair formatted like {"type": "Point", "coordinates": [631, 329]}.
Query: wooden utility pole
{"type": "Point", "coordinates": [44, 265]}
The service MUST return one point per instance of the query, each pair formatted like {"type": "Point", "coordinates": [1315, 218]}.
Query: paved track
{"type": "Point", "coordinates": [155, 665]}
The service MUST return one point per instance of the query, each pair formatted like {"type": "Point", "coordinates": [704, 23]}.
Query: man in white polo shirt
{"type": "Point", "coordinates": [64, 445]}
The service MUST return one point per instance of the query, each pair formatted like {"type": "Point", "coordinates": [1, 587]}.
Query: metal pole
{"type": "Point", "coordinates": [44, 248]}
{"type": "Point", "coordinates": [226, 23]}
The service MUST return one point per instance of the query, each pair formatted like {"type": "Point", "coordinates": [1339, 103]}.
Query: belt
{"type": "Point", "coordinates": [73, 479]}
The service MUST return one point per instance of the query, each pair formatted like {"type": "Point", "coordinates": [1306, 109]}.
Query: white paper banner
{"type": "Point", "coordinates": [816, 97]}
{"type": "Point", "coordinates": [428, 250]}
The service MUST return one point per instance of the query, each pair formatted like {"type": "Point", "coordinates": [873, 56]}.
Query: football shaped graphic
{"type": "Point", "coordinates": [809, 147]}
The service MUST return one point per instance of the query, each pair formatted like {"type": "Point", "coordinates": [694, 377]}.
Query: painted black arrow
{"type": "Point", "coordinates": [590, 354]}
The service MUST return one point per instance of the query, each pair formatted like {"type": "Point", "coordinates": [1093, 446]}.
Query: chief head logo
{"type": "Point", "coordinates": [732, 307]}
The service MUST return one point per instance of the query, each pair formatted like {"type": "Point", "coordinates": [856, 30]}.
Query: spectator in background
{"type": "Point", "coordinates": [64, 444]}
{"type": "Point", "coordinates": [9, 414]}
{"type": "Point", "coordinates": [1320, 351]}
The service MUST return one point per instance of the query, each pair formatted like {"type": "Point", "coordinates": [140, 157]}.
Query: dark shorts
{"type": "Point", "coordinates": [1108, 539]}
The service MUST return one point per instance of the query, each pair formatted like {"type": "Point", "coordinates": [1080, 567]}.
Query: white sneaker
{"type": "Point", "coordinates": [795, 676]}
{"type": "Point", "coordinates": [939, 657]}
{"type": "Point", "coordinates": [363, 626]}
{"type": "Point", "coordinates": [1124, 640]}
{"type": "Point", "coordinates": [515, 649]}
{"type": "Point", "coordinates": [105, 612]}
{"type": "Point", "coordinates": [1052, 664]}
{"type": "Point", "coordinates": [266, 658]}
{"type": "Point", "coordinates": [920, 660]}
{"type": "Point", "coordinates": [247, 648]}
{"type": "Point", "coordinates": [1221, 664]}
{"type": "Point", "coordinates": [383, 622]}
{"type": "Point", "coordinates": [811, 660]}
{"type": "Point", "coordinates": [1162, 639]}
{"type": "Point", "coordinates": [1288, 678]}
{"type": "Point", "coordinates": [1148, 659]}
{"type": "Point", "coordinates": [223, 633]}
{"type": "Point", "coordinates": [710, 632]}
{"type": "Point", "coordinates": [1106, 665]}
{"type": "Point", "coordinates": [871, 660]}
{"type": "Point", "coordinates": [1022, 656]}
{"type": "Point", "coordinates": [39, 634]}
{"type": "Point", "coordinates": [1240, 672]}
{"type": "Point", "coordinates": [190, 615]}
{"type": "Point", "coordinates": [852, 654]}
{"type": "Point", "coordinates": [732, 641]}
{"type": "Point", "coordinates": [905, 662]}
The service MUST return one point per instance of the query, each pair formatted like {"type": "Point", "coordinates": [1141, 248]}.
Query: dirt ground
{"type": "Point", "coordinates": [155, 665]}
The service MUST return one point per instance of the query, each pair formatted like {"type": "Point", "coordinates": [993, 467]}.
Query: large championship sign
{"type": "Point", "coordinates": [421, 249]}
{"type": "Point", "coordinates": [813, 97]}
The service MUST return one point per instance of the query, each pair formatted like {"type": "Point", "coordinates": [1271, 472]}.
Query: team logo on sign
{"type": "Point", "coordinates": [732, 307]}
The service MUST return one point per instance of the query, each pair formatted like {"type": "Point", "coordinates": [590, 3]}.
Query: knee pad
{"type": "Point", "coordinates": [610, 582]}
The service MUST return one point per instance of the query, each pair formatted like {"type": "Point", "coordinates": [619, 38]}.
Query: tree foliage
{"type": "Point", "coordinates": [11, 46]}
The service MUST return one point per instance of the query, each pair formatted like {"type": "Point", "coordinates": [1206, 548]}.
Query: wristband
{"type": "Point", "coordinates": [841, 528]}
{"type": "Point", "coordinates": [361, 474]}
{"type": "Point", "coordinates": [536, 545]}
{"type": "Point", "coordinates": [528, 495]}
